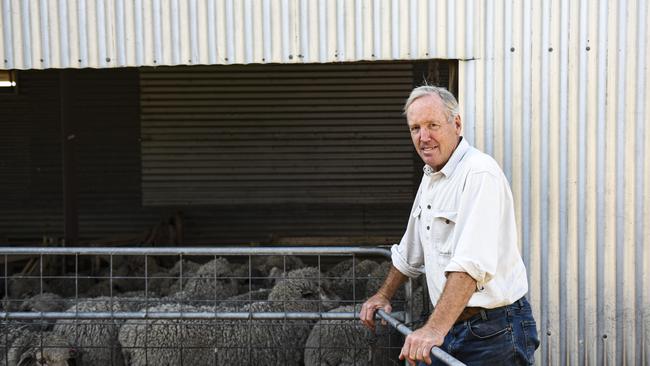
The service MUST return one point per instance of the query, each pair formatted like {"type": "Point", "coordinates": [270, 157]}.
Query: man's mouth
{"type": "Point", "coordinates": [427, 148]}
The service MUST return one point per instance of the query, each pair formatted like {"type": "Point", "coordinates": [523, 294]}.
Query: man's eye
{"type": "Point", "coordinates": [415, 129]}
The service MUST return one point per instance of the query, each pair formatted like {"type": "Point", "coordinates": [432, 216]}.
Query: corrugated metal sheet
{"type": "Point", "coordinates": [559, 95]}
{"type": "Point", "coordinates": [276, 134]}
{"type": "Point", "coordinates": [115, 33]}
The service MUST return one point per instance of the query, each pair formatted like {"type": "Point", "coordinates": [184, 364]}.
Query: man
{"type": "Point", "coordinates": [462, 235]}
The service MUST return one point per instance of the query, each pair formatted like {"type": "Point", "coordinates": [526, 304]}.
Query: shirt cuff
{"type": "Point", "coordinates": [400, 263]}
{"type": "Point", "coordinates": [459, 264]}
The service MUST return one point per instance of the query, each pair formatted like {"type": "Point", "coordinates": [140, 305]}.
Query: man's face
{"type": "Point", "coordinates": [434, 137]}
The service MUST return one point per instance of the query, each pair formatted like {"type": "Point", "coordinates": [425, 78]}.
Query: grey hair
{"type": "Point", "coordinates": [447, 98]}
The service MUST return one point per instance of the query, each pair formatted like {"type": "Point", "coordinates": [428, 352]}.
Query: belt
{"type": "Point", "coordinates": [471, 311]}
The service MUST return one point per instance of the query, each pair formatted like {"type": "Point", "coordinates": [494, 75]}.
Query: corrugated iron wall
{"type": "Point", "coordinates": [115, 33]}
{"type": "Point", "coordinates": [559, 95]}
{"type": "Point", "coordinates": [265, 134]}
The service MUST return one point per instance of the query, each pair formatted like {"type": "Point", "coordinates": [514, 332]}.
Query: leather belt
{"type": "Point", "coordinates": [467, 313]}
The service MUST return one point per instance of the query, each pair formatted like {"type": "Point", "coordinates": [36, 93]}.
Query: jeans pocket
{"type": "Point", "coordinates": [488, 329]}
{"type": "Point", "coordinates": [532, 339]}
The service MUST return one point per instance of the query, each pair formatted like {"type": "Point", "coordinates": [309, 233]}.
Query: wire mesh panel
{"type": "Point", "coordinates": [197, 306]}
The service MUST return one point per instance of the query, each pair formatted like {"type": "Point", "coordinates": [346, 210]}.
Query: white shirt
{"type": "Point", "coordinates": [463, 220]}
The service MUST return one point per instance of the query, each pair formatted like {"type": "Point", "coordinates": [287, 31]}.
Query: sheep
{"type": "Point", "coordinates": [98, 338]}
{"type": "Point", "coordinates": [165, 283]}
{"type": "Point", "coordinates": [226, 342]}
{"type": "Point", "coordinates": [348, 342]}
{"type": "Point", "coordinates": [31, 348]}
{"type": "Point", "coordinates": [166, 341]}
{"type": "Point", "coordinates": [341, 278]}
{"type": "Point", "coordinates": [212, 281]}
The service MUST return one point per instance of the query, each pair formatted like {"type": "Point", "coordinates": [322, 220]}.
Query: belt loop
{"type": "Point", "coordinates": [520, 302]}
{"type": "Point", "coordinates": [483, 315]}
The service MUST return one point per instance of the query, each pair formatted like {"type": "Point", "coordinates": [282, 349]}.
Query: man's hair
{"type": "Point", "coordinates": [447, 98]}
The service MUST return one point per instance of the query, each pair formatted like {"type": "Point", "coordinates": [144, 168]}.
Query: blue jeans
{"type": "Point", "coordinates": [501, 336]}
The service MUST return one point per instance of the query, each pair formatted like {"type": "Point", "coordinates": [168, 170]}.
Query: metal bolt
{"type": "Point", "coordinates": [512, 49]}
{"type": "Point", "coordinates": [550, 49]}
{"type": "Point", "coordinates": [604, 336]}
{"type": "Point", "coordinates": [588, 48]}
{"type": "Point", "coordinates": [548, 333]}
{"type": "Point", "coordinates": [108, 59]}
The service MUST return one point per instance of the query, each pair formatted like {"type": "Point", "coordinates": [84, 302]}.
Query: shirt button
{"type": "Point", "coordinates": [447, 221]}
{"type": "Point", "coordinates": [427, 228]}
{"type": "Point", "coordinates": [429, 207]}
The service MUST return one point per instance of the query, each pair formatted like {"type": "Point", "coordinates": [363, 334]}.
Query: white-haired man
{"type": "Point", "coordinates": [462, 234]}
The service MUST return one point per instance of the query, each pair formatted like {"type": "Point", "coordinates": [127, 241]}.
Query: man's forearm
{"type": "Point", "coordinates": [455, 296]}
{"type": "Point", "coordinates": [393, 281]}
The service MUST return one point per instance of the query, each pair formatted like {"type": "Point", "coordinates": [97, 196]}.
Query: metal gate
{"type": "Point", "coordinates": [196, 306]}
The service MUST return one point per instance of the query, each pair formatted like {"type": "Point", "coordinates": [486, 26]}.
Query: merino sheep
{"type": "Point", "coordinates": [279, 342]}
{"type": "Point", "coordinates": [32, 348]}
{"type": "Point", "coordinates": [214, 280]}
{"type": "Point", "coordinates": [348, 342]}
{"type": "Point", "coordinates": [350, 281]}
{"type": "Point", "coordinates": [168, 342]}
{"type": "Point", "coordinates": [165, 283]}
{"type": "Point", "coordinates": [98, 338]}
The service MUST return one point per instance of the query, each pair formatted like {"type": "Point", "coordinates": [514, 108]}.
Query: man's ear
{"type": "Point", "coordinates": [458, 123]}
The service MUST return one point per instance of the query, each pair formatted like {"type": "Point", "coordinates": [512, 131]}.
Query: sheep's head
{"type": "Point", "coordinates": [55, 350]}
{"type": "Point", "coordinates": [306, 287]}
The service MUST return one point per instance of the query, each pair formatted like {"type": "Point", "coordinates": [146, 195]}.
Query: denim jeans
{"type": "Point", "coordinates": [501, 336]}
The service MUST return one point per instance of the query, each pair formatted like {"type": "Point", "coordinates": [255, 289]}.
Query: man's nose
{"type": "Point", "coordinates": [424, 134]}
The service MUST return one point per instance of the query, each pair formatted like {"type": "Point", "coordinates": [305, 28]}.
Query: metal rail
{"type": "Point", "coordinates": [230, 251]}
{"type": "Point", "coordinates": [185, 315]}
{"type": "Point", "coordinates": [435, 351]}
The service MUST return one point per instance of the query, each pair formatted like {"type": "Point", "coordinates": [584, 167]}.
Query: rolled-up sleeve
{"type": "Point", "coordinates": [408, 256]}
{"type": "Point", "coordinates": [477, 231]}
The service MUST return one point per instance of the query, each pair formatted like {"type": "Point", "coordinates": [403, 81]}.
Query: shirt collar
{"type": "Point", "coordinates": [454, 159]}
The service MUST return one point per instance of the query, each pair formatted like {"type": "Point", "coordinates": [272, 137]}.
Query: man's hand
{"type": "Point", "coordinates": [418, 344]}
{"type": "Point", "coordinates": [367, 315]}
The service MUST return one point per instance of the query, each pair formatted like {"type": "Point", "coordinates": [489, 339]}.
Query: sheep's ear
{"type": "Point", "coordinates": [307, 292]}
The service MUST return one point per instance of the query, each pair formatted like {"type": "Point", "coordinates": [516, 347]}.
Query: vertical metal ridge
{"type": "Point", "coordinates": [285, 21]}
{"type": "Point", "coordinates": [640, 181]}
{"type": "Point", "coordinates": [7, 36]}
{"type": "Point", "coordinates": [413, 29]}
{"type": "Point", "coordinates": [600, 177]}
{"type": "Point", "coordinates": [525, 137]}
{"type": "Point", "coordinates": [120, 31]}
{"type": "Point", "coordinates": [100, 11]}
{"type": "Point", "coordinates": [451, 31]}
{"type": "Point", "coordinates": [507, 91]}
{"type": "Point", "coordinates": [394, 27]}
{"type": "Point", "coordinates": [83, 35]}
{"type": "Point", "coordinates": [620, 181]}
{"type": "Point", "coordinates": [563, 175]}
{"type": "Point", "coordinates": [64, 43]}
{"type": "Point", "coordinates": [194, 33]}
{"type": "Point", "coordinates": [582, 181]}
{"type": "Point", "coordinates": [46, 59]}
{"type": "Point", "coordinates": [545, 320]}
{"type": "Point", "coordinates": [488, 77]}
{"type": "Point", "coordinates": [26, 33]}
{"type": "Point", "coordinates": [340, 31]}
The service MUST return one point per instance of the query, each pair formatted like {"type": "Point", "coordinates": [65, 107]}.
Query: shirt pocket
{"type": "Point", "coordinates": [442, 226]}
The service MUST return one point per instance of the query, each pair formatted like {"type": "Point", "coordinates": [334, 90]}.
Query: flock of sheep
{"type": "Point", "coordinates": [273, 284]}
